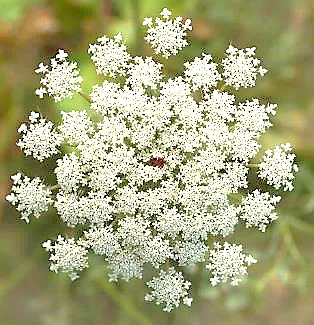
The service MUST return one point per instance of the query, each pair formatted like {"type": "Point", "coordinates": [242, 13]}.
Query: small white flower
{"type": "Point", "coordinates": [16, 178]}
{"type": "Point", "coordinates": [110, 56]}
{"type": "Point", "coordinates": [47, 245]}
{"type": "Point", "coordinates": [22, 128]}
{"type": "Point", "coordinates": [41, 68]}
{"type": "Point", "coordinates": [257, 209]}
{"type": "Point", "coordinates": [62, 80]}
{"type": "Point", "coordinates": [169, 289]}
{"type": "Point", "coordinates": [39, 140]}
{"type": "Point", "coordinates": [165, 13]}
{"type": "Point", "coordinates": [228, 263]}
{"type": "Point", "coordinates": [250, 260]}
{"type": "Point", "coordinates": [30, 196]}
{"type": "Point", "coordinates": [67, 256]}
{"type": "Point", "coordinates": [166, 36]}
{"type": "Point", "coordinates": [61, 55]}
{"type": "Point", "coordinates": [33, 117]}
{"type": "Point", "coordinates": [147, 21]}
{"type": "Point", "coordinates": [262, 71]}
{"type": "Point", "coordinates": [40, 92]}
{"type": "Point", "coordinates": [187, 301]}
{"type": "Point", "coordinates": [278, 167]}
{"type": "Point", "coordinates": [241, 68]}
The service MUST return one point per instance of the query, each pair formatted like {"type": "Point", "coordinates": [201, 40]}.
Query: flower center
{"type": "Point", "coordinates": [157, 161]}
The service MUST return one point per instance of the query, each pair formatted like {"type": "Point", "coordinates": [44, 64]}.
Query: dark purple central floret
{"type": "Point", "coordinates": [157, 161]}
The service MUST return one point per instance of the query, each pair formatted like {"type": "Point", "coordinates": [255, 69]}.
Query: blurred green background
{"type": "Point", "coordinates": [280, 287]}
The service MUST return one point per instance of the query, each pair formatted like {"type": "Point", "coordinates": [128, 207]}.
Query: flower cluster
{"type": "Point", "coordinates": [168, 289]}
{"type": "Point", "coordinates": [202, 72]}
{"type": "Point", "coordinates": [67, 256]}
{"type": "Point", "coordinates": [166, 35]}
{"type": "Point", "coordinates": [39, 139]}
{"type": "Point", "coordinates": [228, 263]}
{"type": "Point", "coordinates": [61, 80]}
{"type": "Point", "coordinates": [30, 196]}
{"type": "Point", "coordinates": [109, 55]}
{"type": "Point", "coordinates": [241, 67]}
{"type": "Point", "coordinates": [278, 166]}
{"type": "Point", "coordinates": [151, 178]}
{"type": "Point", "coordinates": [257, 209]}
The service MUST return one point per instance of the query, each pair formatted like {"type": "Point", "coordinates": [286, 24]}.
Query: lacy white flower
{"type": "Point", "coordinates": [67, 256]}
{"type": "Point", "coordinates": [125, 265]}
{"type": "Point", "coordinates": [278, 166]}
{"type": "Point", "coordinates": [68, 208]}
{"type": "Point", "coordinates": [257, 209]}
{"type": "Point", "coordinates": [156, 251]}
{"type": "Point", "coordinates": [110, 55]}
{"type": "Point", "coordinates": [228, 263]}
{"type": "Point", "coordinates": [70, 173]}
{"type": "Point", "coordinates": [158, 166]}
{"type": "Point", "coordinates": [190, 252]}
{"type": "Point", "coordinates": [166, 36]}
{"type": "Point", "coordinates": [39, 139]}
{"type": "Point", "coordinates": [202, 73]}
{"type": "Point", "coordinates": [93, 209]}
{"type": "Point", "coordinates": [145, 73]}
{"type": "Point", "coordinates": [102, 240]}
{"type": "Point", "coordinates": [97, 208]}
{"type": "Point", "coordinates": [254, 117]}
{"type": "Point", "coordinates": [76, 127]}
{"type": "Point", "coordinates": [62, 80]}
{"type": "Point", "coordinates": [241, 67]}
{"type": "Point", "coordinates": [169, 289]}
{"type": "Point", "coordinates": [30, 196]}
{"type": "Point", "coordinates": [242, 144]}
{"type": "Point", "coordinates": [133, 232]}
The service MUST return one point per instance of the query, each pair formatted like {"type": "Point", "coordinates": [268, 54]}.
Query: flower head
{"type": "Point", "coordinates": [169, 289]}
{"type": "Point", "coordinates": [278, 167]}
{"type": "Point", "coordinates": [40, 139]}
{"type": "Point", "coordinates": [257, 209]}
{"type": "Point", "coordinates": [241, 67]}
{"type": "Point", "coordinates": [228, 263]}
{"type": "Point", "coordinates": [202, 73]}
{"type": "Point", "coordinates": [67, 256]}
{"type": "Point", "coordinates": [159, 165]}
{"type": "Point", "coordinates": [62, 80]}
{"type": "Point", "coordinates": [166, 35]}
{"type": "Point", "coordinates": [30, 196]}
{"type": "Point", "coordinates": [109, 55]}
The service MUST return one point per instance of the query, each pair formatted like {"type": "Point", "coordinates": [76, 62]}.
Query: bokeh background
{"type": "Point", "coordinates": [279, 289]}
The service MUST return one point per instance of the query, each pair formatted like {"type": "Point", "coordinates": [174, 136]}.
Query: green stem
{"type": "Point", "coordinates": [252, 165]}
{"type": "Point", "coordinates": [86, 97]}
{"type": "Point", "coordinates": [301, 225]}
{"type": "Point", "coordinates": [136, 23]}
{"type": "Point", "coordinates": [54, 187]}
{"type": "Point", "coordinates": [222, 88]}
{"type": "Point", "coordinates": [123, 301]}
{"type": "Point", "coordinates": [171, 318]}
{"type": "Point", "coordinates": [290, 242]}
